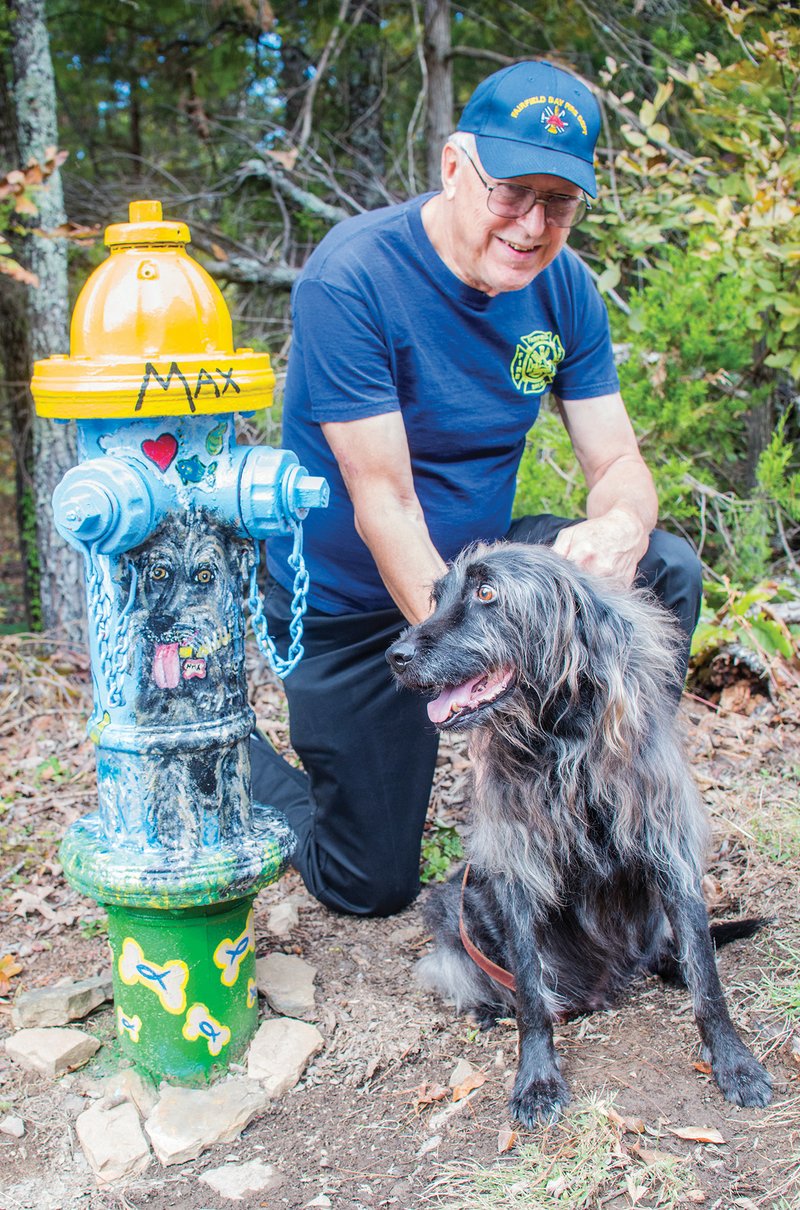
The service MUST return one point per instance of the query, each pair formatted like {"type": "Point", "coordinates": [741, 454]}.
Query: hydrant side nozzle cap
{"type": "Point", "coordinates": [146, 226]}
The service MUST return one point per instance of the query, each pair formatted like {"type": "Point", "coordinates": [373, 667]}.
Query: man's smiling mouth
{"type": "Point", "coordinates": [518, 247]}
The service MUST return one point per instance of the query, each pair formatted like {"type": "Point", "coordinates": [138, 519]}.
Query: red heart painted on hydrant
{"type": "Point", "coordinates": [161, 451]}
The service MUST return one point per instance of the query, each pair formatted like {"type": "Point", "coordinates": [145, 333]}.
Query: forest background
{"type": "Point", "coordinates": [262, 125]}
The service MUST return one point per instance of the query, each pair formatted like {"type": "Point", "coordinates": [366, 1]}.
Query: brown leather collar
{"type": "Point", "coordinates": [498, 973]}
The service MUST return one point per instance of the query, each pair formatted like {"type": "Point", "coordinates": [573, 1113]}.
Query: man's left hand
{"type": "Point", "coordinates": [611, 545]}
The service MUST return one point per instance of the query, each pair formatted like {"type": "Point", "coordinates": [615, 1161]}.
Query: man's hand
{"type": "Point", "coordinates": [610, 546]}
{"type": "Point", "coordinates": [621, 506]}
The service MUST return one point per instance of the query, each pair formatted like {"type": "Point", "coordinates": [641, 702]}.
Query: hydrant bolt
{"type": "Point", "coordinates": [310, 491]}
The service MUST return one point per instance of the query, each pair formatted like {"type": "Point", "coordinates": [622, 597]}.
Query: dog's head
{"type": "Point", "coordinates": [515, 619]}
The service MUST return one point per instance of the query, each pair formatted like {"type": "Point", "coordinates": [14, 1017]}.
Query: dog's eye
{"type": "Point", "coordinates": [159, 573]}
{"type": "Point", "coordinates": [485, 593]}
{"type": "Point", "coordinates": [204, 576]}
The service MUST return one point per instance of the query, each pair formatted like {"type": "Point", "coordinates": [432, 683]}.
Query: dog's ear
{"type": "Point", "coordinates": [607, 636]}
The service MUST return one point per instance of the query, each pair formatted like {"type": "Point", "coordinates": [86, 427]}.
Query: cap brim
{"type": "Point", "coordinates": [503, 158]}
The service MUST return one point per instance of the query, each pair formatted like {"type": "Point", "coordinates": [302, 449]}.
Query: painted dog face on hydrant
{"type": "Point", "coordinates": [187, 621]}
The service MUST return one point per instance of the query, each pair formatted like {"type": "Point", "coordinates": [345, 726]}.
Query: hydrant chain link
{"type": "Point", "coordinates": [266, 645]}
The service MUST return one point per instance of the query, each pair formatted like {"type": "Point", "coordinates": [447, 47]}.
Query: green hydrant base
{"type": "Point", "coordinates": [186, 1004]}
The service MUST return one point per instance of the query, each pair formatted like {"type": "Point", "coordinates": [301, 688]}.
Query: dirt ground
{"type": "Point", "coordinates": [373, 1122]}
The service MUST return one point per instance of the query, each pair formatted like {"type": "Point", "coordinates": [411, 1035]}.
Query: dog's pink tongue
{"type": "Point", "coordinates": [166, 665]}
{"type": "Point", "coordinates": [441, 707]}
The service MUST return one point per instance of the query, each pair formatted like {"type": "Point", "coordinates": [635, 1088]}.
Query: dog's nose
{"type": "Point", "coordinates": [401, 654]}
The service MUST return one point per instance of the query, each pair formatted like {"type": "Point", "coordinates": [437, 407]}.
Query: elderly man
{"type": "Point", "coordinates": [425, 335]}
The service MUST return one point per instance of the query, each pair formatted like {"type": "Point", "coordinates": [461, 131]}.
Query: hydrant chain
{"type": "Point", "coordinates": [280, 666]}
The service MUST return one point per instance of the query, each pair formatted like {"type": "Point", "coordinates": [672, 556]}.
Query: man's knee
{"type": "Point", "coordinates": [369, 894]}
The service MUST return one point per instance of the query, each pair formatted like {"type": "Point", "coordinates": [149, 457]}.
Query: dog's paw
{"type": "Point", "coordinates": [742, 1080]}
{"type": "Point", "coordinates": [540, 1101]}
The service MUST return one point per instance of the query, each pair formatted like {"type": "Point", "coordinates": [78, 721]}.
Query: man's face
{"type": "Point", "coordinates": [488, 252]}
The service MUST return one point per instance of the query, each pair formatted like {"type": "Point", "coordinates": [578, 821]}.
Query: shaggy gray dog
{"type": "Point", "coordinates": [588, 836]}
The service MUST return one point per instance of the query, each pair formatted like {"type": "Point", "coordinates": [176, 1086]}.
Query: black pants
{"type": "Point", "coordinates": [369, 749]}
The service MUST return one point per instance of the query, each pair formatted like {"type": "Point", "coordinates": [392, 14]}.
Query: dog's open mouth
{"type": "Point", "coordinates": [455, 704]}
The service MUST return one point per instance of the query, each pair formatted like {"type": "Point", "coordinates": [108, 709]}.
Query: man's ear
{"type": "Point", "coordinates": [450, 166]}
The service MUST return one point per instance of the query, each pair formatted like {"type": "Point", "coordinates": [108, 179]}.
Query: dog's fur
{"type": "Point", "coordinates": [588, 835]}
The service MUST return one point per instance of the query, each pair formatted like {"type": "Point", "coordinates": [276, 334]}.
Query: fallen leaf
{"type": "Point", "coordinates": [696, 1196]}
{"type": "Point", "coordinates": [631, 1125]}
{"type": "Point", "coordinates": [635, 1192]}
{"type": "Point", "coordinates": [696, 1134]}
{"type": "Point", "coordinates": [702, 1066]}
{"type": "Point", "coordinates": [427, 1094]}
{"type": "Point", "coordinates": [9, 967]}
{"type": "Point", "coordinates": [469, 1085]}
{"type": "Point", "coordinates": [650, 1156]}
{"type": "Point", "coordinates": [506, 1139]}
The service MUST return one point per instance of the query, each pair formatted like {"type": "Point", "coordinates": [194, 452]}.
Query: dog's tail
{"type": "Point", "coordinates": [667, 967]}
{"type": "Point", "coordinates": [737, 930]}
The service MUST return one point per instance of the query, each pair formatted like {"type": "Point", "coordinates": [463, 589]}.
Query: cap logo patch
{"type": "Point", "coordinates": [553, 116]}
{"type": "Point", "coordinates": [552, 120]}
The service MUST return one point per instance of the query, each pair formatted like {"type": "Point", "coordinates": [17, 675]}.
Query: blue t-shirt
{"type": "Point", "coordinates": [380, 325]}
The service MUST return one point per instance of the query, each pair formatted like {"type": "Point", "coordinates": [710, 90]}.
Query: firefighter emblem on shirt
{"type": "Point", "coordinates": [535, 362]}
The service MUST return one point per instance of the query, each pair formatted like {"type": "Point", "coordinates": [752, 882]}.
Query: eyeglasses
{"type": "Point", "coordinates": [513, 201]}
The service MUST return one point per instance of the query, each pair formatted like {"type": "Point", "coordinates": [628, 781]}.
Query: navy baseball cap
{"type": "Point", "coordinates": [533, 117]}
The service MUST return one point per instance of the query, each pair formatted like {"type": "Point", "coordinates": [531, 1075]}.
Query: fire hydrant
{"type": "Point", "coordinates": [169, 513]}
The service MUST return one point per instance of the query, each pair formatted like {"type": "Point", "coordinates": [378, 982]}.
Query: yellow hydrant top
{"type": "Point", "coordinates": [151, 335]}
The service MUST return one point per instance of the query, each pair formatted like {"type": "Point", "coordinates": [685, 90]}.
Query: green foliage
{"type": "Point", "coordinates": [548, 480]}
{"type": "Point", "coordinates": [96, 927]}
{"type": "Point", "coordinates": [747, 618]}
{"type": "Point", "coordinates": [441, 846]}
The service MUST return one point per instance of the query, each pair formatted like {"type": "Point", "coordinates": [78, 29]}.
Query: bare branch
{"type": "Point", "coordinates": [321, 67]}
{"type": "Point", "coordinates": [270, 171]}
{"type": "Point", "coordinates": [244, 270]}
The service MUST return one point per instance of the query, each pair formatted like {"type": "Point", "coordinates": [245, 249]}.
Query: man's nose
{"type": "Point", "coordinates": [534, 222]}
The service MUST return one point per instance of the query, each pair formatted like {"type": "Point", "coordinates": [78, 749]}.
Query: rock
{"type": "Point", "coordinates": [237, 1180]}
{"type": "Point", "coordinates": [188, 1120]}
{"type": "Point", "coordinates": [13, 1126]}
{"type": "Point", "coordinates": [288, 984]}
{"type": "Point", "coordinates": [130, 1085]}
{"type": "Point", "coordinates": [51, 1051]}
{"type": "Point", "coordinates": [460, 1072]}
{"type": "Point", "coordinates": [280, 1051]}
{"type": "Point", "coordinates": [282, 919]}
{"type": "Point", "coordinates": [113, 1142]}
{"type": "Point", "coordinates": [60, 1004]}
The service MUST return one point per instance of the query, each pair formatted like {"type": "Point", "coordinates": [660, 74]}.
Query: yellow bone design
{"type": "Point", "coordinates": [229, 955]}
{"type": "Point", "coordinates": [128, 1025]}
{"type": "Point", "coordinates": [167, 981]}
{"type": "Point", "coordinates": [200, 1024]}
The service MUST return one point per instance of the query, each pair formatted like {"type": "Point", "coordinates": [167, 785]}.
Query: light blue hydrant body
{"type": "Point", "coordinates": [169, 512]}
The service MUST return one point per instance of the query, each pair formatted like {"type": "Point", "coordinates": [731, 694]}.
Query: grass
{"type": "Point", "coordinates": [776, 825]}
{"type": "Point", "coordinates": [582, 1162]}
{"type": "Point", "coordinates": [783, 987]}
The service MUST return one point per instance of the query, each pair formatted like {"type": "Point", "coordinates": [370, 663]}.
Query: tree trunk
{"type": "Point", "coordinates": [439, 111]}
{"type": "Point", "coordinates": [15, 360]}
{"type": "Point", "coordinates": [60, 567]}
